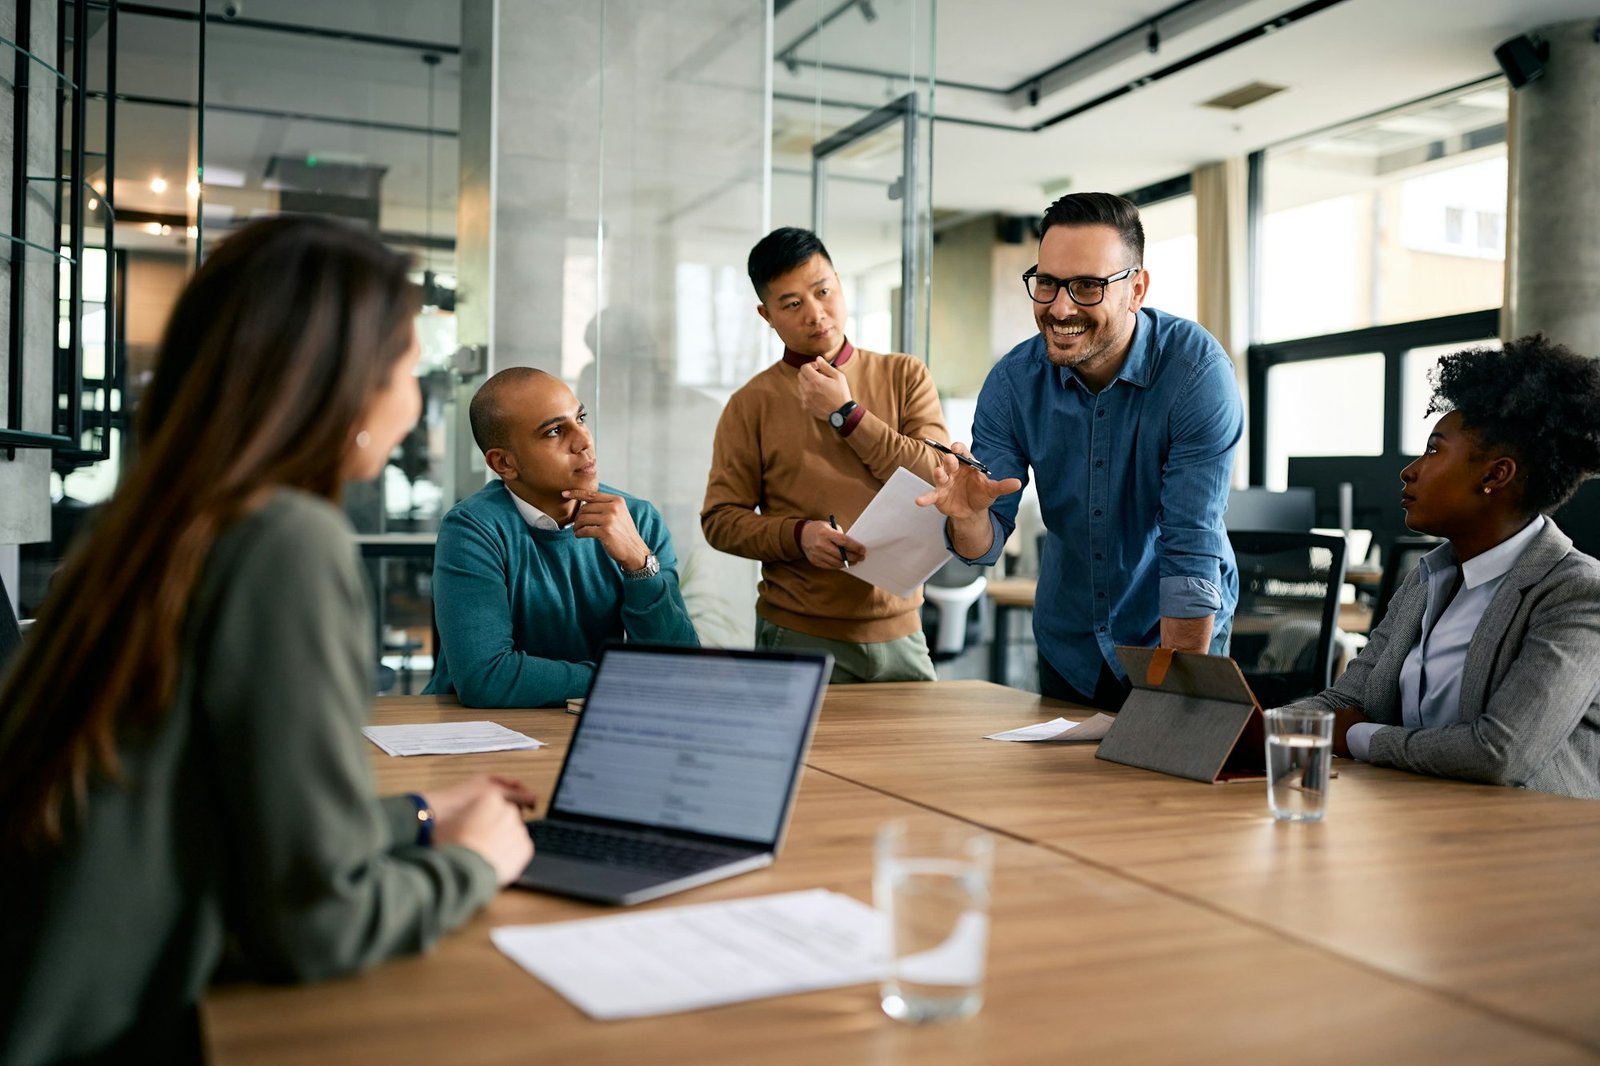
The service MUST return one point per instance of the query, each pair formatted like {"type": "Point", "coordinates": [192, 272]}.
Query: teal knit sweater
{"type": "Point", "coordinates": [522, 612]}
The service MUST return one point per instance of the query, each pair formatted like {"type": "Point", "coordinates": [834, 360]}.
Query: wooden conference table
{"type": "Point", "coordinates": [1136, 917]}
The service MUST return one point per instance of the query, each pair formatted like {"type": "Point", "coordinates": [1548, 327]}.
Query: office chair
{"type": "Point", "coordinates": [1398, 562]}
{"type": "Point", "coordinates": [948, 619]}
{"type": "Point", "coordinates": [1284, 626]}
{"type": "Point", "coordinates": [10, 630]}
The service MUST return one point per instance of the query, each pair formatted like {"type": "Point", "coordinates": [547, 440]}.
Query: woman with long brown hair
{"type": "Point", "coordinates": [181, 764]}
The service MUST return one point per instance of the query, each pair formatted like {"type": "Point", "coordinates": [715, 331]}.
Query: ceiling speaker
{"type": "Point", "coordinates": [1522, 58]}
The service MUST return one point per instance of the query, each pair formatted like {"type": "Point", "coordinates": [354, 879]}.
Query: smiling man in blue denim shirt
{"type": "Point", "coordinates": [1128, 418]}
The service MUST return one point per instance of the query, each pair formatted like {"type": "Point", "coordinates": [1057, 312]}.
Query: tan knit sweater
{"type": "Point", "coordinates": [774, 465]}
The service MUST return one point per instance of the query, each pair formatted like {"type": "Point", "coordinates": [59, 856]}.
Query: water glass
{"type": "Point", "coordinates": [932, 885]}
{"type": "Point", "coordinates": [1299, 758]}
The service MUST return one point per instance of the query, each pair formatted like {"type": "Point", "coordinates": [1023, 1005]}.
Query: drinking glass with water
{"type": "Point", "coordinates": [1299, 757]}
{"type": "Point", "coordinates": [932, 885]}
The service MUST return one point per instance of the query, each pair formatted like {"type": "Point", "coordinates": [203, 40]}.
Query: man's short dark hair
{"type": "Point", "coordinates": [1098, 209]}
{"type": "Point", "coordinates": [488, 410]}
{"type": "Point", "coordinates": [780, 252]}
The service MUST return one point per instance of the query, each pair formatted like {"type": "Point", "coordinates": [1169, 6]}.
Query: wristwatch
{"type": "Point", "coordinates": [425, 819]}
{"type": "Point", "coordinates": [650, 568]}
{"type": "Point", "coordinates": [842, 415]}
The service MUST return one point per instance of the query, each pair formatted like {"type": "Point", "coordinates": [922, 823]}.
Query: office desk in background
{"type": "Point", "coordinates": [1008, 594]}
{"type": "Point", "coordinates": [374, 548]}
{"type": "Point", "coordinates": [1014, 594]}
{"type": "Point", "coordinates": [1136, 917]}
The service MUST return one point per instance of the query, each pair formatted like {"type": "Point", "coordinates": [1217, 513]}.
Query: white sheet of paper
{"type": "Point", "coordinates": [1059, 729]}
{"type": "Point", "coordinates": [688, 958]}
{"type": "Point", "coordinates": [904, 542]}
{"type": "Point", "coordinates": [448, 738]}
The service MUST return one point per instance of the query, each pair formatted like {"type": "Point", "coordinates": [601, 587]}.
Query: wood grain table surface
{"type": "Point", "coordinates": [1136, 918]}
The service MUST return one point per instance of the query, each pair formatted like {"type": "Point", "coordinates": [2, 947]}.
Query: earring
{"type": "Point", "coordinates": [364, 438]}
{"type": "Point", "coordinates": [1486, 490]}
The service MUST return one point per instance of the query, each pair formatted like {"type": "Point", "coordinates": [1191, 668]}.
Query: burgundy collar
{"type": "Point", "coordinates": [796, 360]}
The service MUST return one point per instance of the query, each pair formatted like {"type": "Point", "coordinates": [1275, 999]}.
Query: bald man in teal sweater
{"type": "Point", "coordinates": [534, 572]}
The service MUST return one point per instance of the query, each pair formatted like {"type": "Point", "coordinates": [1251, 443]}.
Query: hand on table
{"type": "Point", "coordinates": [485, 814]}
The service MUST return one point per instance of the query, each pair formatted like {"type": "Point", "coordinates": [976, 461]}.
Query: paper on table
{"type": "Point", "coordinates": [448, 738]}
{"type": "Point", "coordinates": [905, 543]}
{"type": "Point", "coordinates": [1059, 729]}
{"type": "Point", "coordinates": [688, 958]}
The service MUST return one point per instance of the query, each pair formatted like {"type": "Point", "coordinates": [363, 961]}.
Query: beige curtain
{"type": "Point", "coordinates": [1221, 201]}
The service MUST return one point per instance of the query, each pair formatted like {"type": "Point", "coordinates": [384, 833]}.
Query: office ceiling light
{"type": "Point", "coordinates": [158, 184]}
{"type": "Point", "coordinates": [1244, 96]}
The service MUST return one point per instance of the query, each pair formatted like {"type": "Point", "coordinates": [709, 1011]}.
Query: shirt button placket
{"type": "Point", "coordinates": [1099, 494]}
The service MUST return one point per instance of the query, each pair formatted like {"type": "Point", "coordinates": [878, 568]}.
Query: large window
{"type": "Point", "coordinates": [1323, 407]}
{"type": "Point", "coordinates": [1416, 390]}
{"type": "Point", "coordinates": [1395, 219]}
{"type": "Point", "coordinates": [1382, 247]}
{"type": "Point", "coordinates": [1172, 255]}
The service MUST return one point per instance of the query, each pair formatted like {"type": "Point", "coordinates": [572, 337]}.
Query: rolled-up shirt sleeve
{"type": "Point", "coordinates": [1194, 492]}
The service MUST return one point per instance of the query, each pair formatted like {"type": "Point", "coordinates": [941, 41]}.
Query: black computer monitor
{"type": "Point", "coordinates": [1374, 490]}
{"type": "Point", "coordinates": [1292, 511]}
{"type": "Point", "coordinates": [1579, 517]}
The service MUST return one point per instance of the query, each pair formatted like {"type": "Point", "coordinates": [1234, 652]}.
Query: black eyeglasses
{"type": "Point", "coordinates": [1084, 291]}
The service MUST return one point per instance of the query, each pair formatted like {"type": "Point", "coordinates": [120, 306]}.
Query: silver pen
{"type": "Point", "coordinates": [965, 459]}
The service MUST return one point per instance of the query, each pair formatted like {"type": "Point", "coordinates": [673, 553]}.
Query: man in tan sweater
{"type": "Point", "coordinates": [806, 443]}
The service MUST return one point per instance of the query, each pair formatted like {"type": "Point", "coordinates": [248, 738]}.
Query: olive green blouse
{"type": "Point", "coordinates": [246, 818]}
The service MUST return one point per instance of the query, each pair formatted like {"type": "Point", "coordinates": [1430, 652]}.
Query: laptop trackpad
{"type": "Point", "coordinates": [586, 880]}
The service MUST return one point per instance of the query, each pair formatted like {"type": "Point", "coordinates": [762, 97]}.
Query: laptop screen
{"type": "Point", "coordinates": [703, 740]}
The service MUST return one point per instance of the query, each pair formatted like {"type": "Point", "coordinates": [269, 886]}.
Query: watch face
{"type": "Point", "coordinates": [836, 420]}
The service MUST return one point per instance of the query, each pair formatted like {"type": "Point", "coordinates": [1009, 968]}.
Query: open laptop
{"type": "Point", "coordinates": [683, 770]}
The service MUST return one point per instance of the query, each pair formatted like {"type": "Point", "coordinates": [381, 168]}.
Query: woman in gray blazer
{"type": "Point", "coordinates": [1487, 665]}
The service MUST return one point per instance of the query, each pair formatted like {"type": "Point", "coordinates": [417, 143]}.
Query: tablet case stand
{"type": "Point", "coordinates": [1188, 715]}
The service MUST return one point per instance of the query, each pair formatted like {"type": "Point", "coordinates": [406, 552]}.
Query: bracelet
{"type": "Point", "coordinates": [425, 819]}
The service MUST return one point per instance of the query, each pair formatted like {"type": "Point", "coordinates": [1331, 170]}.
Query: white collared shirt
{"type": "Point", "coordinates": [535, 518]}
{"type": "Point", "coordinates": [1430, 677]}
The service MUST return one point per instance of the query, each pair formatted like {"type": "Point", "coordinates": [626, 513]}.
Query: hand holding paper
{"type": "Point", "coordinates": [903, 543]}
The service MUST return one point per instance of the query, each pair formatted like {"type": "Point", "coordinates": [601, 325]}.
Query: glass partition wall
{"type": "Point", "coordinates": [580, 186]}
{"type": "Point", "coordinates": [853, 107]}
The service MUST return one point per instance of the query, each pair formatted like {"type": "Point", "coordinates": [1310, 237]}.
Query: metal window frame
{"type": "Point", "coordinates": [1393, 341]}
{"type": "Point", "coordinates": [64, 439]}
{"type": "Point", "coordinates": [904, 111]}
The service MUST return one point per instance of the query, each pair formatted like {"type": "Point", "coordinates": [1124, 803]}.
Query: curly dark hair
{"type": "Point", "coordinates": [1537, 400]}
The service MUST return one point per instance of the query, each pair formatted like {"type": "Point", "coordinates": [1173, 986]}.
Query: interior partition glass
{"type": "Point", "coordinates": [853, 105]}
{"type": "Point", "coordinates": [1398, 218]}
{"type": "Point", "coordinates": [614, 178]}
{"type": "Point", "coordinates": [349, 111]}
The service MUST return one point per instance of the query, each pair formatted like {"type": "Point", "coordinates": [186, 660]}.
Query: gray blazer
{"type": "Point", "coordinates": [1530, 690]}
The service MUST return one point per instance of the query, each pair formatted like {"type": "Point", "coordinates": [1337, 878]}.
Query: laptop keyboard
{"type": "Point", "coordinates": [625, 849]}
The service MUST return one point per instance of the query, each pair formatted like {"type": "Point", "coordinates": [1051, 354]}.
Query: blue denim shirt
{"type": "Point", "coordinates": [1132, 485]}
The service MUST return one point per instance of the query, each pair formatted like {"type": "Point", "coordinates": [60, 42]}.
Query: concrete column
{"type": "Point", "coordinates": [1553, 255]}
